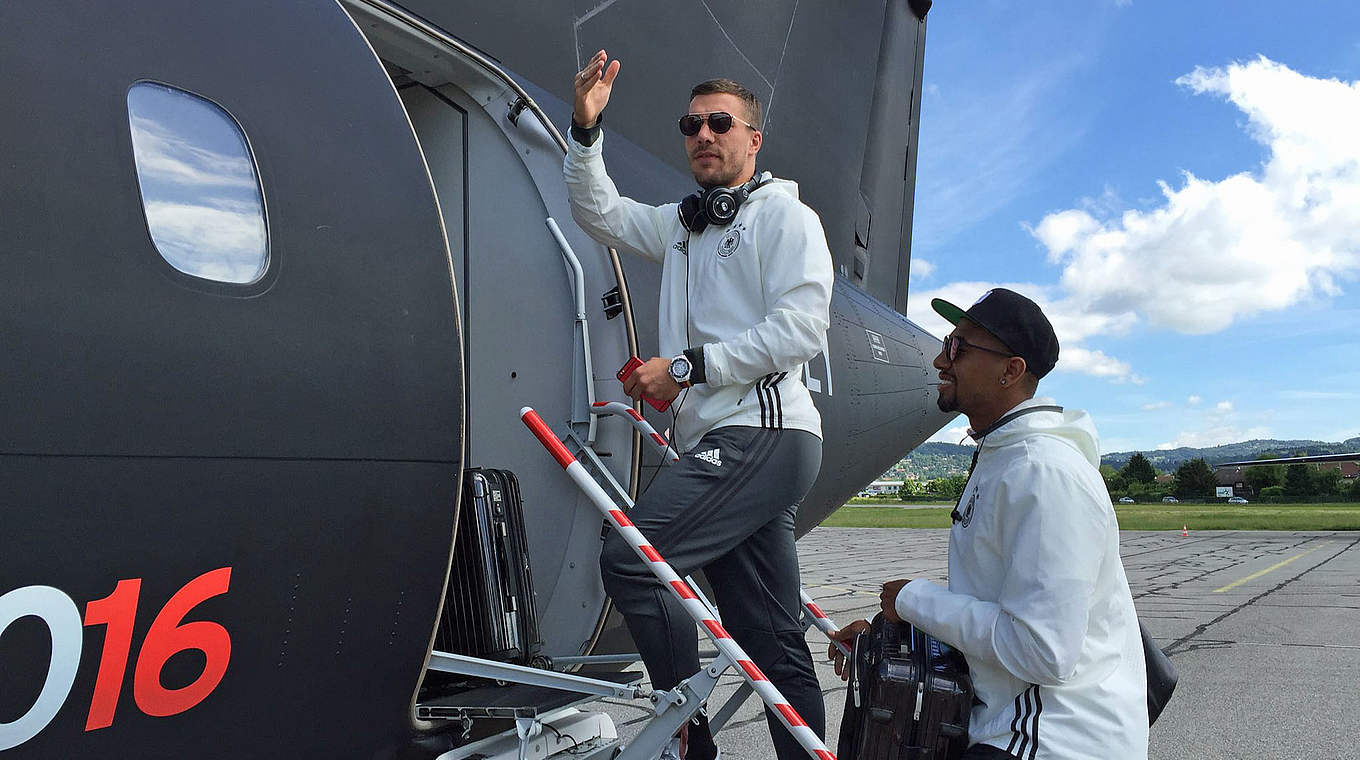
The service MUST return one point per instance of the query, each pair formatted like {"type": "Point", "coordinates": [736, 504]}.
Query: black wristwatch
{"type": "Point", "coordinates": [680, 370]}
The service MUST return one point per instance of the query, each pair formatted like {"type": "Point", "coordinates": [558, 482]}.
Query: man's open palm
{"type": "Point", "coordinates": [593, 85]}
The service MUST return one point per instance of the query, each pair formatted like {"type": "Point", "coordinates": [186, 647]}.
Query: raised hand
{"type": "Point", "coordinates": [593, 85]}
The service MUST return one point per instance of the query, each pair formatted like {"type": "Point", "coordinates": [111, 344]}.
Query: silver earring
{"type": "Point", "coordinates": [1003, 381]}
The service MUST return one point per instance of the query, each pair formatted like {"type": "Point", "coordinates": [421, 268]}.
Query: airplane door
{"type": "Point", "coordinates": [231, 423]}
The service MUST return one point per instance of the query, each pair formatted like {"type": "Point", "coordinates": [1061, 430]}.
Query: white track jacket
{"type": "Point", "coordinates": [756, 295]}
{"type": "Point", "coordinates": [1037, 598]}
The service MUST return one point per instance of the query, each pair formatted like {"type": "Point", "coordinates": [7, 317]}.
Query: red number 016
{"type": "Point", "coordinates": [118, 612]}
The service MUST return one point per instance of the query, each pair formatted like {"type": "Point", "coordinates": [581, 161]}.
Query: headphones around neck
{"type": "Point", "coordinates": [717, 205]}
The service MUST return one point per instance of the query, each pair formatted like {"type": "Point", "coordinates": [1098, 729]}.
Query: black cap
{"type": "Point", "coordinates": [1012, 319]}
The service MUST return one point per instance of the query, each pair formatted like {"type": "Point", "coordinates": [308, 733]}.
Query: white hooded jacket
{"type": "Point", "coordinates": [1037, 600]}
{"type": "Point", "coordinates": [755, 294]}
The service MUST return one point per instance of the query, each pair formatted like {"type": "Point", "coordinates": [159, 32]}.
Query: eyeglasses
{"type": "Point", "coordinates": [718, 121]}
{"type": "Point", "coordinates": [954, 344]}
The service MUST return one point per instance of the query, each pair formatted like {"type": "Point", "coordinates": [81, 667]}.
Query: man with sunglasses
{"type": "Point", "coordinates": [745, 300]}
{"type": "Point", "coordinates": [1037, 597]}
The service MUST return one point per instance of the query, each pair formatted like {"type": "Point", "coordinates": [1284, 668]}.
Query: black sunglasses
{"type": "Point", "coordinates": [954, 344]}
{"type": "Point", "coordinates": [718, 121]}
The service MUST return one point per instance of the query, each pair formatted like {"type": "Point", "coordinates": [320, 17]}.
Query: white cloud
{"type": "Point", "coordinates": [1071, 325]}
{"type": "Point", "coordinates": [957, 435]}
{"type": "Point", "coordinates": [1214, 436]}
{"type": "Point", "coordinates": [1210, 252]}
{"type": "Point", "coordinates": [1217, 428]}
{"type": "Point", "coordinates": [1214, 252]}
{"type": "Point", "coordinates": [1220, 414]}
{"type": "Point", "coordinates": [920, 268]}
{"type": "Point", "coordinates": [1156, 405]}
{"type": "Point", "coordinates": [1088, 362]}
{"type": "Point", "coordinates": [166, 155]}
{"type": "Point", "coordinates": [221, 242]}
{"type": "Point", "coordinates": [1193, 400]}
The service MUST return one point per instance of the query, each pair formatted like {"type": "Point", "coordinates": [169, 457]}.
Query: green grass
{"type": "Point", "coordinates": [1341, 516]}
{"type": "Point", "coordinates": [888, 517]}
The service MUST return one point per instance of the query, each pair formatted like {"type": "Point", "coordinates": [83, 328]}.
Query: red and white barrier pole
{"type": "Point", "coordinates": [663, 571]}
{"type": "Point", "coordinates": [668, 453]}
{"type": "Point", "coordinates": [823, 623]}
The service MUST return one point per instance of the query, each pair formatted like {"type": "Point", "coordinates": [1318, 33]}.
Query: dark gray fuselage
{"type": "Point", "coordinates": [307, 430]}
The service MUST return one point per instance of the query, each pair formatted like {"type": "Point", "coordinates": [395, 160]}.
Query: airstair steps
{"type": "Point", "coordinates": [511, 700]}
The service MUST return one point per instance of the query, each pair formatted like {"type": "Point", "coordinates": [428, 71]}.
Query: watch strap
{"type": "Point", "coordinates": [696, 364]}
{"type": "Point", "coordinates": [586, 135]}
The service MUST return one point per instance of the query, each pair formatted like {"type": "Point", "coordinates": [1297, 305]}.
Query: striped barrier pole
{"type": "Point", "coordinates": [688, 599]}
{"type": "Point", "coordinates": [627, 412]}
{"type": "Point", "coordinates": [668, 455]}
{"type": "Point", "coordinates": [822, 622]}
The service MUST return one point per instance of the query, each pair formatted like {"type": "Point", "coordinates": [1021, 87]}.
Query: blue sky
{"type": "Point", "coordinates": [1177, 184]}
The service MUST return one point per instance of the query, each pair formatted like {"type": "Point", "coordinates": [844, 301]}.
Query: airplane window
{"type": "Point", "coordinates": [200, 190]}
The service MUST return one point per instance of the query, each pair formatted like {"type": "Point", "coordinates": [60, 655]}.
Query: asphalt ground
{"type": "Point", "coordinates": [1263, 626]}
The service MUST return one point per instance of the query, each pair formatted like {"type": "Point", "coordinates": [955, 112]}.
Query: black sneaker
{"type": "Point", "coordinates": [700, 744]}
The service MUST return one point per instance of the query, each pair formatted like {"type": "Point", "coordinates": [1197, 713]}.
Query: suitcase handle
{"type": "Point", "coordinates": [853, 664]}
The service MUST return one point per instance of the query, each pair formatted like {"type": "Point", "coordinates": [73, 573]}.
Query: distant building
{"type": "Point", "coordinates": [1234, 473]}
{"type": "Point", "coordinates": [882, 486]}
{"type": "Point", "coordinates": [1348, 469]}
{"type": "Point", "coordinates": [1235, 477]}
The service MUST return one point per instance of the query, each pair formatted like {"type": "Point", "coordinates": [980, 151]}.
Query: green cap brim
{"type": "Point", "coordinates": [947, 310]}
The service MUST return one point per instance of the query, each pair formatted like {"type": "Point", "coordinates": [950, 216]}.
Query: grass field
{"type": "Point", "coordinates": [1343, 516]}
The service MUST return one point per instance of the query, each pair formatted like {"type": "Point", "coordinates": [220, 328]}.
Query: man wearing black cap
{"type": "Point", "coordinates": [1037, 598]}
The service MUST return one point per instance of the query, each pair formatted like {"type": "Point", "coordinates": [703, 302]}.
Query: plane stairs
{"type": "Point", "coordinates": [513, 700]}
{"type": "Point", "coordinates": [544, 703]}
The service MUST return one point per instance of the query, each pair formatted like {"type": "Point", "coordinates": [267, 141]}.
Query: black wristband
{"type": "Point", "coordinates": [696, 365]}
{"type": "Point", "coordinates": [586, 135]}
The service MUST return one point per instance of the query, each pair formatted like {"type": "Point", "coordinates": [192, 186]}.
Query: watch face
{"type": "Point", "coordinates": [680, 368]}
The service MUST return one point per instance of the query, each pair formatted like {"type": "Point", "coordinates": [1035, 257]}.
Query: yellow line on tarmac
{"type": "Point", "coordinates": [1256, 575]}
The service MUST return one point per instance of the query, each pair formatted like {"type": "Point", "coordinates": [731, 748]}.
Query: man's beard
{"type": "Point", "coordinates": [719, 176]}
{"type": "Point", "coordinates": [950, 404]}
{"type": "Point", "coordinates": [718, 180]}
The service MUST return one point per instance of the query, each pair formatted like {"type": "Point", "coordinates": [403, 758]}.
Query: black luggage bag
{"type": "Point", "coordinates": [489, 605]}
{"type": "Point", "coordinates": [909, 697]}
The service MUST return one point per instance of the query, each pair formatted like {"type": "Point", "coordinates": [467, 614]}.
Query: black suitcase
{"type": "Point", "coordinates": [909, 697]}
{"type": "Point", "coordinates": [489, 607]}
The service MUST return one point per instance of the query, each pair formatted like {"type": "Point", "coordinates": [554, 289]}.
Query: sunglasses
{"type": "Point", "coordinates": [953, 345]}
{"type": "Point", "coordinates": [718, 121]}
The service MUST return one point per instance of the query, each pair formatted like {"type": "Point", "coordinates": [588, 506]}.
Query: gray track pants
{"type": "Point", "coordinates": [729, 514]}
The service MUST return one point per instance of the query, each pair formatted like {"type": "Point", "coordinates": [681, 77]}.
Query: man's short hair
{"type": "Point", "coordinates": [730, 87]}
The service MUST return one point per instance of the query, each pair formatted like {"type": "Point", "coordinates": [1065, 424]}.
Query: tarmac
{"type": "Point", "coordinates": [1263, 627]}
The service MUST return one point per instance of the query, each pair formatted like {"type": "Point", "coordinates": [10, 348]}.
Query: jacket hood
{"type": "Point", "coordinates": [1072, 426]}
{"type": "Point", "coordinates": [775, 186]}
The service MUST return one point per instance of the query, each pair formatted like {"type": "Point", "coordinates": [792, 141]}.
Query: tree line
{"type": "Point", "coordinates": [1192, 480]}
{"type": "Point", "coordinates": [1195, 480]}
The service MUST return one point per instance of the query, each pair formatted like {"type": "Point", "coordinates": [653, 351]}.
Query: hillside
{"type": "Point", "coordinates": [1167, 460]}
{"type": "Point", "coordinates": [932, 460]}
{"type": "Point", "coordinates": [937, 460]}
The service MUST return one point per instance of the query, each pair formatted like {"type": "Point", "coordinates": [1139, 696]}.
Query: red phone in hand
{"type": "Point", "coordinates": [627, 369]}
